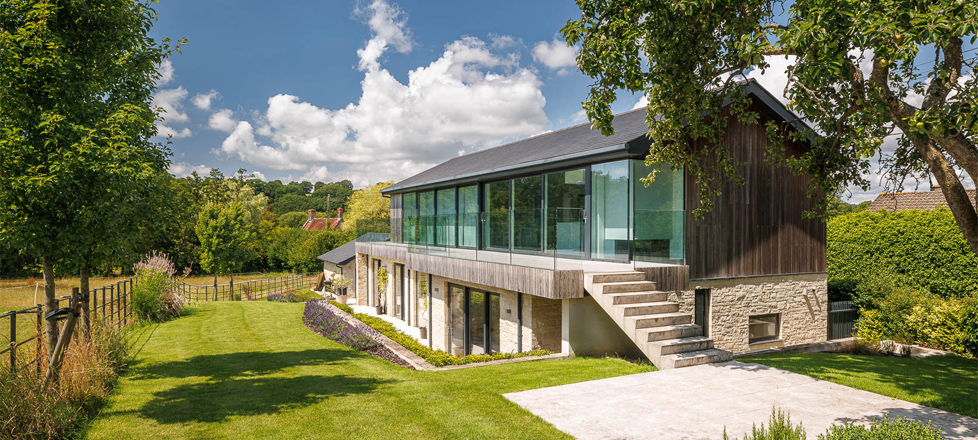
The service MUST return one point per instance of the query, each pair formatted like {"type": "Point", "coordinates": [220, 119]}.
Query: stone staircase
{"type": "Point", "coordinates": [668, 338]}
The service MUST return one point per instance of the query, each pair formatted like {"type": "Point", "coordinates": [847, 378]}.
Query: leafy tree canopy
{"type": "Point", "coordinates": [859, 71]}
{"type": "Point", "coordinates": [367, 203]}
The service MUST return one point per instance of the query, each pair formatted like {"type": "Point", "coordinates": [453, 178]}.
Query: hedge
{"type": "Point", "coordinates": [924, 248]}
{"type": "Point", "coordinates": [434, 357]}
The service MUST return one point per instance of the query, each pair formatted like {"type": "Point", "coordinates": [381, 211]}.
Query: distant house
{"type": "Point", "coordinates": [322, 224]}
{"type": "Point", "coordinates": [922, 201]}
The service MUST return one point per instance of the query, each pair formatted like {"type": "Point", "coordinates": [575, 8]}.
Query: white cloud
{"type": "Point", "coordinates": [470, 98]}
{"type": "Point", "coordinates": [389, 29]}
{"type": "Point", "coordinates": [556, 55]}
{"type": "Point", "coordinates": [167, 131]}
{"type": "Point", "coordinates": [259, 175]}
{"type": "Point", "coordinates": [221, 120]}
{"type": "Point", "coordinates": [166, 74]}
{"type": "Point", "coordinates": [642, 103]}
{"type": "Point", "coordinates": [503, 41]}
{"type": "Point", "coordinates": [171, 102]}
{"type": "Point", "coordinates": [203, 100]}
{"type": "Point", "coordinates": [580, 116]}
{"type": "Point", "coordinates": [183, 169]}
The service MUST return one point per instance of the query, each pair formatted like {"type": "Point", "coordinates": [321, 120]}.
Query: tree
{"type": "Point", "coordinates": [225, 238]}
{"type": "Point", "coordinates": [75, 127]}
{"type": "Point", "coordinates": [367, 203]}
{"type": "Point", "coordinates": [859, 71]}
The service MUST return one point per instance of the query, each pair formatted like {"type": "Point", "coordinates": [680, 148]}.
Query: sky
{"type": "Point", "coordinates": [368, 90]}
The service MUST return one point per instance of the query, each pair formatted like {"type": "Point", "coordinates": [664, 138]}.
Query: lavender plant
{"type": "Point", "coordinates": [154, 297]}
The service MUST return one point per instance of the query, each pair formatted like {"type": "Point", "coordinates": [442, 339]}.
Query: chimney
{"type": "Point", "coordinates": [339, 213]}
{"type": "Point", "coordinates": [312, 214]}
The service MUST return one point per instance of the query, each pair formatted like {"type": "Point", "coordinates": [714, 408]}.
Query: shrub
{"type": "Point", "coordinates": [434, 357]}
{"type": "Point", "coordinates": [154, 297]}
{"type": "Point", "coordinates": [87, 375]}
{"type": "Point", "coordinates": [293, 219]}
{"type": "Point", "coordinates": [324, 321]}
{"type": "Point", "coordinates": [883, 429]}
{"type": "Point", "coordinates": [779, 428]}
{"type": "Point", "coordinates": [924, 247]}
{"type": "Point", "coordinates": [842, 289]}
{"type": "Point", "coordinates": [286, 297]}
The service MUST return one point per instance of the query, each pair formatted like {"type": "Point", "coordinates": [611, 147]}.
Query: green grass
{"type": "Point", "coordinates": [946, 382]}
{"type": "Point", "coordinates": [252, 370]}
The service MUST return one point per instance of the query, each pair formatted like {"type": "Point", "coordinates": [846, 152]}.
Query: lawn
{"type": "Point", "coordinates": [946, 382]}
{"type": "Point", "coordinates": [252, 370]}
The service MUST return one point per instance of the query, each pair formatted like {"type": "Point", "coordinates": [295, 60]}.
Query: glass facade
{"type": "Point", "coordinates": [605, 211]}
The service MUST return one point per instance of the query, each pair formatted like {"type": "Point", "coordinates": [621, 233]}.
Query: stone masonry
{"type": "Point", "coordinates": [546, 316]}
{"type": "Point", "coordinates": [733, 301]}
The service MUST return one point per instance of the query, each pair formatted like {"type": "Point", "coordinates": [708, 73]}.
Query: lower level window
{"type": "Point", "coordinates": [764, 327]}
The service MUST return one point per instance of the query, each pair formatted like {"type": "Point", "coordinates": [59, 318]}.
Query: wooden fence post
{"type": "Point", "coordinates": [231, 287]}
{"type": "Point", "coordinates": [215, 287]}
{"type": "Point", "coordinates": [64, 339]}
{"type": "Point", "coordinates": [13, 342]}
{"type": "Point", "coordinates": [40, 345]}
{"type": "Point", "coordinates": [112, 305]}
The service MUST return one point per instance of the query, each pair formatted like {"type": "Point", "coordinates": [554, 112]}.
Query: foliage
{"type": "Point", "coordinates": [293, 219]}
{"type": "Point", "coordinates": [434, 357]}
{"type": "Point", "coordinates": [225, 238]}
{"type": "Point", "coordinates": [854, 72]}
{"type": "Point", "coordinates": [842, 289]}
{"type": "Point", "coordinates": [286, 298]}
{"type": "Point", "coordinates": [324, 321]}
{"type": "Point", "coordinates": [924, 248]}
{"type": "Point", "coordinates": [155, 297]}
{"type": "Point", "coordinates": [943, 382]}
{"type": "Point", "coordinates": [837, 207]}
{"type": "Point", "coordinates": [88, 373]}
{"type": "Point", "coordinates": [779, 428]}
{"type": "Point", "coordinates": [883, 429]}
{"type": "Point", "coordinates": [367, 204]}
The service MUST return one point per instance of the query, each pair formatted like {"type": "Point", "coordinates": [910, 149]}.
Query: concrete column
{"type": "Point", "coordinates": [565, 346]}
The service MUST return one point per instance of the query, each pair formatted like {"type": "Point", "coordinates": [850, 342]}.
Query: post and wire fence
{"type": "Point", "coordinates": [22, 347]}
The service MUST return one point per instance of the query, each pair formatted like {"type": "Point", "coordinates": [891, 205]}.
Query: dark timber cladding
{"type": "Point", "coordinates": [757, 228]}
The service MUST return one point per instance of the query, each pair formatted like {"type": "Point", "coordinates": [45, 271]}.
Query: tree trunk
{"type": "Point", "coordinates": [50, 302]}
{"type": "Point", "coordinates": [86, 319]}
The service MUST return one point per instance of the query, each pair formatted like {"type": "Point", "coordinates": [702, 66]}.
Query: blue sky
{"type": "Point", "coordinates": [370, 90]}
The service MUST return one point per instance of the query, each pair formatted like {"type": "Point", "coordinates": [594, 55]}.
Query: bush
{"type": "Point", "coordinates": [324, 321]}
{"type": "Point", "coordinates": [842, 289]}
{"type": "Point", "coordinates": [87, 375]}
{"type": "Point", "coordinates": [285, 298]}
{"type": "Point", "coordinates": [155, 297]}
{"type": "Point", "coordinates": [434, 357]}
{"type": "Point", "coordinates": [926, 248]}
{"type": "Point", "coordinates": [779, 428]}
{"type": "Point", "coordinates": [293, 219]}
{"type": "Point", "coordinates": [883, 429]}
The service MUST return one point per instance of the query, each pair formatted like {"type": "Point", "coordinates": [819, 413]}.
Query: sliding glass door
{"type": "Point", "coordinates": [609, 211]}
{"type": "Point", "coordinates": [475, 321]}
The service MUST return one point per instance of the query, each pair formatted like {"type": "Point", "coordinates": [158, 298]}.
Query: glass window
{"type": "Point", "coordinates": [445, 221]}
{"type": "Point", "coordinates": [409, 221]}
{"type": "Point", "coordinates": [609, 211]}
{"type": "Point", "coordinates": [468, 206]}
{"type": "Point", "coordinates": [527, 218]}
{"type": "Point", "coordinates": [497, 217]}
{"type": "Point", "coordinates": [457, 304]}
{"type": "Point", "coordinates": [477, 322]}
{"type": "Point", "coordinates": [565, 212]}
{"type": "Point", "coordinates": [426, 217]}
{"type": "Point", "coordinates": [658, 214]}
{"type": "Point", "coordinates": [764, 327]}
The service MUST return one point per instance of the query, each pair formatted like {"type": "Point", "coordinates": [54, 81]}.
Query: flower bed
{"type": "Point", "coordinates": [285, 298]}
{"type": "Point", "coordinates": [319, 318]}
{"type": "Point", "coordinates": [434, 357]}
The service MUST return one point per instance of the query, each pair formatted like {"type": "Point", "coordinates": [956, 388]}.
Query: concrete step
{"type": "Point", "coordinates": [657, 320]}
{"type": "Point", "coordinates": [668, 332]}
{"type": "Point", "coordinates": [680, 345]}
{"type": "Point", "coordinates": [636, 297]}
{"type": "Point", "coordinates": [616, 277]}
{"type": "Point", "coordinates": [628, 286]}
{"type": "Point", "coordinates": [650, 308]}
{"type": "Point", "coordinates": [692, 358]}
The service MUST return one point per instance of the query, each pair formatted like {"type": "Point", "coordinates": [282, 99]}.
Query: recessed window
{"type": "Point", "coordinates": [764, 328]}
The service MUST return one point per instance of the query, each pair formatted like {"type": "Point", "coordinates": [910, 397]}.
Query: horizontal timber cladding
{"type": "Point", "coordinates": [383, 251]}
{"type": "Point", "coordinates": [553, 284]}
{"type": "Point", "coordinates": [667, 278]}
{"type": "Point", "coordinates": [757, 228]}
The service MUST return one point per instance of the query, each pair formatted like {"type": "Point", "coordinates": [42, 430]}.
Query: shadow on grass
{"type": "Point", "coordinates": [214, 402]}
{"type": "Point", "coordinates": [944, 382]}
{"type": "Point", "coordinates": [248, 364]}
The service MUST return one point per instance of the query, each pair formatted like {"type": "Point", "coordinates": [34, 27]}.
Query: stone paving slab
{"type": "Point", "coordinates": [698, 402]}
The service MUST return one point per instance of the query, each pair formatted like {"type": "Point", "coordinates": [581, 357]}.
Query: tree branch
{"type": "Point", "coordinates": [945, 81]}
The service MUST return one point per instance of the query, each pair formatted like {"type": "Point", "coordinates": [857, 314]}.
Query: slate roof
{"type": "Point", "coordinates": [923, 200]}
{"type": "Point", "coordinates": [341, 255]}
{"type": "Point", "coordinates": [561, 146]}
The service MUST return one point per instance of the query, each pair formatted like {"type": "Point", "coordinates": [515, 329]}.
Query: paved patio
{"type": "Point", "coordinates": [698, 402]}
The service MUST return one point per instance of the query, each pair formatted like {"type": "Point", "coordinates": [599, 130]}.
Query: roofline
{"type": "Point", "coordinates": [751, 87]}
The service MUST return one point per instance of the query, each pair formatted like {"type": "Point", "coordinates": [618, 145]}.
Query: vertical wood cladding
{"type": "Point", "coordinates": [757, 228]}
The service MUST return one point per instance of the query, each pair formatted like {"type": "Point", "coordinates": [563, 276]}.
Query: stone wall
{"type": "Point", "coordinates": [439, 314]}
{"type": "Point", "coordinates": [545, 320]}
{"type": "Point", "coordinates": [361, 280]}
{"type": "Point", "coordinates": [733, 301]}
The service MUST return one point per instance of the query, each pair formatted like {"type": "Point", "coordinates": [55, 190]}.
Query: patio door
{"type": "Point", "coordinates": [400, 296]}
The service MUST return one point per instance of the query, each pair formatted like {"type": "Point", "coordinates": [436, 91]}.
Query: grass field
{"type": "Point", "coordinates": [252, 370]}
{"type": "Point", "coordinates": [946, 382]}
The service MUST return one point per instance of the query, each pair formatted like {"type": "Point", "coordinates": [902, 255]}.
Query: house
{"type": "Point", "coordinates": [922, 200]}
{"type": "Point", "coordinates": [322, 224]}
{"type": "Point", "coordinates": [554, 242]}
{"type": "Point", "coordinates": [340, 261]}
